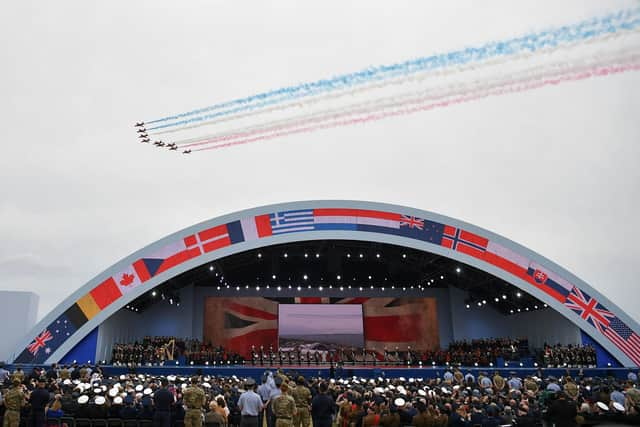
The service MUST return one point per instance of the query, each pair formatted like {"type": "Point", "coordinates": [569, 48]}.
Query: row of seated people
{"type": "Point", "coordinates": [158, 350]}
{"type": "Point", "coordinates": [567, 356]}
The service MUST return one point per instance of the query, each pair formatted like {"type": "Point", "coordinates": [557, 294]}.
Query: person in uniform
{"type": "Point", "coordinates": [498, 381]}
{"type": "Point", "coordinates": [194, 399]}
{"type": "Point", "coordinates": [18, 374]}
{"type": "Point", "coordinates": [284, 407]}
{"type": "Point", "coordinates": [39, 398]}
{"type": "Point", "coordinates": [13, 402]}
{"type": "Point", "coordinates": [302, 397]}
{"type": "Point", "coordinates": [571, 389]}
{"type": "Point", "coordinates": [322, 407]}
{"type": "Point", "coordinates": [162, 399]}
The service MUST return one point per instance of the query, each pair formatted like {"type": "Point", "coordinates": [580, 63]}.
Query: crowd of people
{"type": "Point", "coordinates": [478, 352]}
{"type": "Point", "coordinates": [559, 356]}
{"type": "Point", "coordinates": [80, 394]}
{"type": "Point", "coordinates": [158, 350]}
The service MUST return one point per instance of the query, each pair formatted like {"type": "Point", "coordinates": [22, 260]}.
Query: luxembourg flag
{"type": "Point", "coordinates": [350, 219]}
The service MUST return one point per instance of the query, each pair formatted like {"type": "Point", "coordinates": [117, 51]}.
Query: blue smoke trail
{"type": "Point", "coordinates": [623, 20]}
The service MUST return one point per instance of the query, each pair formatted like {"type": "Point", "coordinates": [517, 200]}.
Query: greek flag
{"type": "Point", "coordinates": [291, 221]}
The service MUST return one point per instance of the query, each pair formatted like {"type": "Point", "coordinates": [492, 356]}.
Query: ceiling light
{"type": "Point", "coordinates": [317, 255]}
{"type": "Point", "coordinates": [504, 296]}
{"type": "Point", "coordinates": [320, 288]}
{"type": "Point", "coordinates": [338, 277]}
{"type": "Point", "coordinates": [441, 277]}
{"type": "Point", "coordinates": [496, 299]}
{"type": "Point", "coordinates": [299, 288]}
{"type": "Point", "coordinates": [259, 255]}
{"type": "Point", "coordinates": [218, 288]}
{"type": "Point", "coordinates": [286, 255]}
{"type": "Point", "coordinates": [348, 255]}
{"type": "Point", "coordinates": [484, 301]}
{"type": "Point", "coordinates": [273, 277]}
{"type": "Point", "coordinates": [479, 304]}
{"type": "Point", "coordinates": [377, 255]}
{"type": "Point", "coordinates": [257, 288]}
{"type": "Point", "coordinates": [305, 277]}
{"type": "Point", "coordinates": [341, 288]}
{"type": "Point", "coordinates": [518, 294]}
{"type": "Point", "coordinates": [153, 294]}
{"type": "Point", "coordinates": [211, 268]}
{"type": "Point", "coordinates": [369, 277]}
{"type": "Point", "coordinates": [468, 306]}
{"type": "Point", "coordinates": [458, 270]}
{"type": "Point", "coordinates": [279, 288]}
{"type": "Point", "coordinates": [404, 255]}
{"type": "Point", "coordinates": [361, 256]}
{"type": "Point", "coordinates": [306, 255]}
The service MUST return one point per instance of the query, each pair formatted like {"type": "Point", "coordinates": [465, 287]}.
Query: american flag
{"type": "Point", "coordinates": [624, 338]}
{"type": "Point", "coordinates": [291, 221]}
{"type": "Point", "coordinates": [588, 308]}
{"type": "Point", "coordinates": [40, 342]}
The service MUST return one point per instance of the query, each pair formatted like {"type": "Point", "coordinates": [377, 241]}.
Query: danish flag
{"type": "Point", "coordinates": [39, 342]}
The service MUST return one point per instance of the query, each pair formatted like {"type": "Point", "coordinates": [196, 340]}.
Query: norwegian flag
{"type": "Point", "coordinates": [588, 308]}
{"type": "Point", "coordinates": [464, 241]}
{"type": "Point", "coordinates": [412, 222]}
{"type": "Point", "coordinates": [40, 342]}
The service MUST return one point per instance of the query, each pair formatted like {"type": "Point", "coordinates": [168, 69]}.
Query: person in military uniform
{"type": "Point", "coordinates": [18, 375]}
{"type": "Point", "coordinates": [302, 396]}
{"type": "Point", "coordinates": [498, 381]}
{"type": "Point", "coordinates": [571, 389]}
{"type": "Point", "coordinates": [194, 399]}
{"type": "Point", "coordinates": [284, 407]}
{"type": "Point", "coordinates": [13, 402]}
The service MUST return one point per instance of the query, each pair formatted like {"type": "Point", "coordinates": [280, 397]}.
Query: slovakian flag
{"type": "Point", "coordinates": [549, 282]}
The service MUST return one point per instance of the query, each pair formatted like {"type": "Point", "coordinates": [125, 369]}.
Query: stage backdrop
{"type": "Point", "coordinates": [239, 323]}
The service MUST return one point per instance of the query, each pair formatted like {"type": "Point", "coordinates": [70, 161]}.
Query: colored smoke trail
{"type": "Point", "coordinates": [596, 72]}
{"type": "Point", "coordinates": [545, 72]}
{"type": "Point", "coordinates": [417, 78]}
{"type": "Point", "coordinates": [624, 20]}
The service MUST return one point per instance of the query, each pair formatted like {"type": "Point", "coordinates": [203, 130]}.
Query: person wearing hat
{"type": "Point", "coordinates": [423, 418]}
{"type": "Point", "coordinates": [284, 407]}
{"type": "Point", "coordinates": [250, 405]}
{"type": "Point", "coordinates": [498, 381]}
{"type": "Point", "coordinates": [194, 399]}
{"type": "Point", "coordinates": [572, 390]}
{"type": "Point", "coordinates": [18, 374]}
{"type": "Point", "coordinates": [38, 399]}
{"type": "Point", "coordinates": [302, 397]}
{"type": "Point", "coordinates": [162, 399]}
{"type": "Point", "coordinates": [13, 402]}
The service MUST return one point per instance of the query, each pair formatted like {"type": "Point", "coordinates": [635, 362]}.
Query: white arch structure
{"type": "Point", "coordinates": [85, 309]}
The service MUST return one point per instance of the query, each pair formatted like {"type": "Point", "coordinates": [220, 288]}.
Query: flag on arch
{"type": "Point", "coordinates": [47, 341]}
{"type": "Point", "coordinates": [624, 338]}
{"type": "Point", "coordinates": [464, 241]}
{"type": "Point", "coordinates": [589, 309]}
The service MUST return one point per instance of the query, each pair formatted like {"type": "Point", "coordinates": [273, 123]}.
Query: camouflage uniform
{"type": "Point", "coordinates": [302, 397]}
{"type": "Point", "coordinates": [284, 408]}
{"type": "Point", "coordinates": [13, 401]}
{"type": "Point", "coordinates": [194, 398]}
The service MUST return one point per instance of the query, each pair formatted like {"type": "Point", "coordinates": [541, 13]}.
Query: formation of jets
{"type": "Point", "coordinates": [144, 137]}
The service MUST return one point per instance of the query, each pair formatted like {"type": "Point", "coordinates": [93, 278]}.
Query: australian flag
{"type": "Point", "coordinates": [48, 341]}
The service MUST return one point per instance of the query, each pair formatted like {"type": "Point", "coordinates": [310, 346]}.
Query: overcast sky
{"type": "Point", "coordinates": [554, 169]}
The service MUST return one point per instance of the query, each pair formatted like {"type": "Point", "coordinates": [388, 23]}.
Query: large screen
{"type": "Point", "coordinates": [320, 326]}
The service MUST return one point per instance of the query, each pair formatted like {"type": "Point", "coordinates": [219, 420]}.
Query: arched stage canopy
{"type": "Point", "coordinates": [84, 310]}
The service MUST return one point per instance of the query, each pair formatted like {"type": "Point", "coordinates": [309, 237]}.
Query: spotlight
{"type": "Point", "coordinates": [491, 364]}
{"type": "Point", "coordinates": [299, 288]}
{"type": "Point", "coordinates": [279, 288]}
{"type": "Point", "coordinates": [360, 288]}
{"type": "Point", "coordinates": [348, 255]}
{"type": "Point", "coordinates": [286, 255]}
{"type": "Point", "coordinates": [191, 363]}
{"type": "Point", "coordinates": [153, 294]}
{"type": "Point", "coordinates": [518, 294]}
{"type": "Point", "coordinates": [404, 255]}
{"type": "Point", "coordinates": [467, 306]}
{"type": "Point", "coordinates": [511, 311]}
{"type": "Point", "coordinates": [320, 288]}
{"type": "Point", "coordinates": [338, 277]}
{"type": "Point", "coordinates": [479, 304]}
{"type": "Point", "coordinates": [317, 255]}
{"type": "Point", "coordinates": [306, 255]}
{"type": "Point", "coordinates": [369, 277]}
{"type": "Point", "coordinates": [535, 364]}
{"type": "Point", "coordinates": [521, 364]}
{"type": "Point", "coordinates": [309, 287]}
{"type": "Point", "coordinates": [211, 268]}
{"type": "Point", "coordinates": [273, 277]}
{"type": "Point", "coordinates": [361, 255]}
{"type": "Point", "coordinates": [237, 288]}
{"type": "Point", "coordinates": [218, 288]}
{"type": "Point", "coordinates": [305, 277]}
{"type": "Point", "coordinates": [206, 363]}
{"type": "Point", "coordinates": [545, 305]}
{"type": "Point", "coordinates": [289, 286]}
{"type": "Point", "coordinates": [377, 255]}
{"type": "Point", "coordinates": [341, 288]}
{"type": "Point", "coordinates": [484, 301]}
{"type": "Point", "coordinates": [441, 277]}
{"type": "Point", "coordinates": [257, 288]}
{"type": "Point", "coordinates": [535, 307]}
{"type": "Point", "coordinates": [458, 270]}
{"type": "Point", "coordinates": [504, 296]}
{"type": "Point", "coordinates": [259, 255]}
{"type": "Point", "coordinates": [496, 299]}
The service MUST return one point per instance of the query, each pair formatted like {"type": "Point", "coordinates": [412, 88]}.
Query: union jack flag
{"type": "Point", "coordinates": [40, 342]}
{"type": "Point", "coordinates": [589, 309]}
{"type": "Point", "coordinates": [412, 222]}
